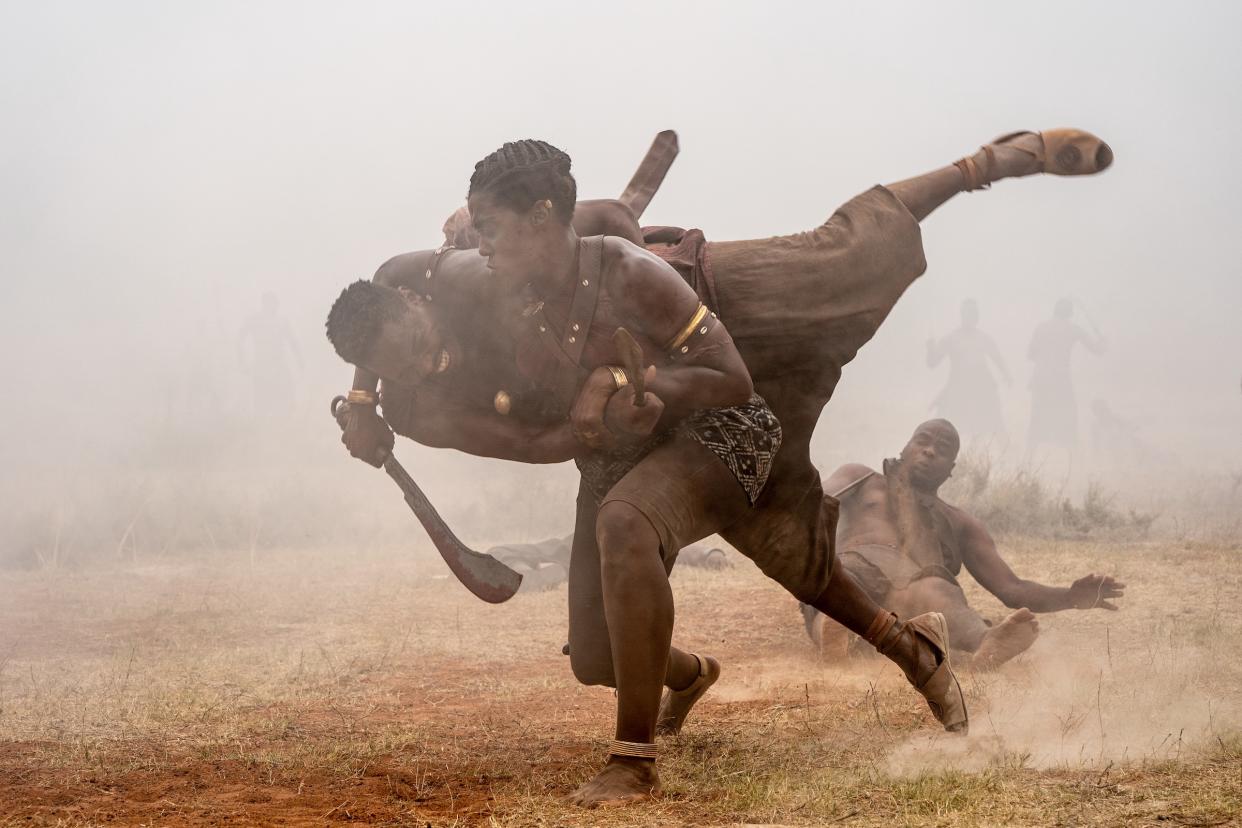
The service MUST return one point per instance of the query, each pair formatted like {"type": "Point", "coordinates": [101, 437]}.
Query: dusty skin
{"type": "Point", "coordinates": [313, 689]}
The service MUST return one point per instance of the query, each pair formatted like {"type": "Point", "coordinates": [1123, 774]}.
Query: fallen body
{"type": "Point", "coordinates": [907, 547]}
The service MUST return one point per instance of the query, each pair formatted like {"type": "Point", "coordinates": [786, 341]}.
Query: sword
{"type": "Point", "coordinates": [650, 173]}
{"type": "Point", "coordinates": [483, 575]}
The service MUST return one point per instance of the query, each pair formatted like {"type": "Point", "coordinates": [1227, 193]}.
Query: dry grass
{"type": "Point", "coordinates": [308, 688]}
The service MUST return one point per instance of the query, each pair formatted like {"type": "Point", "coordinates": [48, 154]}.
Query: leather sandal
{"type": "Point", "coordinates": [941, 689]}
{"type": "Point", "coordinates": [675, 704]}
{"type": "Point", "coordinates": [1065, 151]}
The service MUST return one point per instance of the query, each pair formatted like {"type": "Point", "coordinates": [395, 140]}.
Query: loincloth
{"type": "Point", "coordinates": [881, 569]}
{"type": "Point", "coordinates": [744, 437]}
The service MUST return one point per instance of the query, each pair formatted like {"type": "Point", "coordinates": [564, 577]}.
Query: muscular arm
{"type": "Point", "coordinates": [653, 299]}
{"type": "Point", "coordinates": [491, 435]}
{"type": "Point", "coordinates": [993, 574]}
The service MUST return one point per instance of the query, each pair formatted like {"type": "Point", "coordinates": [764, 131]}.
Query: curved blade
{"type": "Point", "coordinates": [483, 575]}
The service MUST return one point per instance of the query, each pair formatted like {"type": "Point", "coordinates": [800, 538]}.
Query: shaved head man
{"type": "Point", "coordinates": [907, 547]}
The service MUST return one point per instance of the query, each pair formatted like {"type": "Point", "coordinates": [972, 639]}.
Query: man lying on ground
{"type": "Point", "coordinates": [907, 547]}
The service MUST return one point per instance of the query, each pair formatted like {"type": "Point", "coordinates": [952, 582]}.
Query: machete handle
{"type": "Point", "coordinates": [381, 456]}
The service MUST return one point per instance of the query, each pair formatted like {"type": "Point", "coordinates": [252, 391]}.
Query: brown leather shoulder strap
{"type": "Point", "coordinates": [433, 264]}
{"type": "Point", "coordinates": [569, 345]}
{"type": "Point", "coordinates": [586, 297]}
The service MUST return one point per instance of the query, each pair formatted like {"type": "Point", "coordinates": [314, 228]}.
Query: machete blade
{"type": "Point", "coordinates": [483, 575]}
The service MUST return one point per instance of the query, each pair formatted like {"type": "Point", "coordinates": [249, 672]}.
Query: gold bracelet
{"type": "Point", "coordinates": [679, 340]}
{"type": "Point", "coordinates": [357, 396]}
{"type": "Point", "coordinates": [619, 378]}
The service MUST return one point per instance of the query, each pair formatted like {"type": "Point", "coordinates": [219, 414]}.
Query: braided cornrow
{"type": "Point", "coordinates": [523, 172]}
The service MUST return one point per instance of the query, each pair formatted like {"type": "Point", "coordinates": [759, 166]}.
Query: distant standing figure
{"type": "Point", "coordinates": [969, 397]}
{"type": "Point", "coordinates": [1054, 406]}
{"type": "Point", "coordinates": [265, 349]}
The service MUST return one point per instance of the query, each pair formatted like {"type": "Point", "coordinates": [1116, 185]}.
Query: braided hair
{"type": "Point", "coordinates": [523, 172]}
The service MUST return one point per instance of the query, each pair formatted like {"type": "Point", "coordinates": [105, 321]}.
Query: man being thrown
{"type": "Point", "coordinates": [906, 547]}
{"type": "Point", "coordinates": [702, 455]}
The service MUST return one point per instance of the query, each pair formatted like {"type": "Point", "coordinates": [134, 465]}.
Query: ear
{"type": "Point", "coordinates": [540, 212]}
{"type": "Point", "coordinates": [409, 296]}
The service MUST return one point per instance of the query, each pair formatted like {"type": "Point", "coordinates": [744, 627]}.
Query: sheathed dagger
{"type": "Point", "coordinates": [482, 574]}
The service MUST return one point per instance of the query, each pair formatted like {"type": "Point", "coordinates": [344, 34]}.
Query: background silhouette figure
{"type": "Point", "coordinates": [1054, 406]}
{"type": "Point", "coordinates": [970, 398]}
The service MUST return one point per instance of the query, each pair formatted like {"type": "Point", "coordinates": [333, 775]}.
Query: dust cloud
{"type": "Point", "coordinates": [183, 192]}
{"type": "Point", "coordinates": [1070, 705]}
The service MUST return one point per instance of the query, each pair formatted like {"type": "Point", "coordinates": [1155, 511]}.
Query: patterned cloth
{"type": "Point", "coordinates": [745, 438]}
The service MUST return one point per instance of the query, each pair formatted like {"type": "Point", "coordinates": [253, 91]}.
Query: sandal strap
{"type": "Point", "coordinates": [638, 750]}
{"type": "Point", "coordinates": [881, 626]}
{"type": "Point", "coordinates": [693, 687]}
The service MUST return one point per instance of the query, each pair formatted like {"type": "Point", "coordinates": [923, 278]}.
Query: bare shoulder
{"type": "Point", "coordinates": [854, 471]}
{"type": "Point", "coordinates": [401, 270]}
{"type": "Point", "coordinates": [606, 217]}
{"type": "Point", "coordinates": [642, 281]}
{"type": "Point", "coordinates": [846, 479]}
{"type": "Point", "coordinates": [963, 522]}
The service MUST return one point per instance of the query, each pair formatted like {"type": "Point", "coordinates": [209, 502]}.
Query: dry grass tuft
{"type": "Point", "coordinates": [309, 688]}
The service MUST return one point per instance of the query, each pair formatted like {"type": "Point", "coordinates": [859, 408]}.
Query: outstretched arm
{"type": "Point", "coordinates": [993, 574]}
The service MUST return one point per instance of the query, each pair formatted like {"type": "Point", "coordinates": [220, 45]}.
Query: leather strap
{"type": "Point", "coordinates": [586, 297]}
{"type": "Point", "coordinates": [432, 265]}
{"type": "Point", "coordinates": [568, 345]}
{"type": "Point", "coordinates": [880, 628]}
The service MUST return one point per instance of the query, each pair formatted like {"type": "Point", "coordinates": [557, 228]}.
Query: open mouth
{"type": "Point", "coordinates": [442, 364]}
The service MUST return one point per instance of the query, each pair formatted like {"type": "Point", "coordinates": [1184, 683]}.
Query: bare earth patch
{"type": "Point", "coordinates": [308, 688]}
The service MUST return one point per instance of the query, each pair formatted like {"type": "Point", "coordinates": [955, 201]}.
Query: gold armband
{"type": "Point", "coordinates": [678, 343]}
{"type": "Point", "coordinates": [619, 378]}
{"type": "Point", "coordinates": [357, 396]}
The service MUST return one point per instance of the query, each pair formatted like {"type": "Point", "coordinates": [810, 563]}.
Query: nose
{"type": "Point", "coordinates": [485, 249]}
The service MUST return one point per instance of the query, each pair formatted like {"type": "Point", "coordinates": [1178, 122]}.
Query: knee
{"type": "Point", "coordinates": [623, 532]}
{"type": "Point", "coordinates": [590, 669]}
{"type": "Point", "coordinates": [931, 595]}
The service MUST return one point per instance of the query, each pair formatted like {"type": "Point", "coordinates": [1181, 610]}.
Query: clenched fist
{"type": "Point", "coordinates": [365, 433]}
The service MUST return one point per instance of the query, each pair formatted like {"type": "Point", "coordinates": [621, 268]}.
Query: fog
{"type": "Point", "coordinates": [163, 166]}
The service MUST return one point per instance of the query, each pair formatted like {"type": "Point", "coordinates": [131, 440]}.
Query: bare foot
{"type": "Point", "coordinates": [1008, 638]}
{"type": "Point", "coordinates": [623, 780]}
{"type": "Point", "coordinates": [675, 704]}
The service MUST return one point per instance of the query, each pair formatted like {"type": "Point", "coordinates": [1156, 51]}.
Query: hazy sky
{"type": "Point", "coordinates": [164, 164]}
